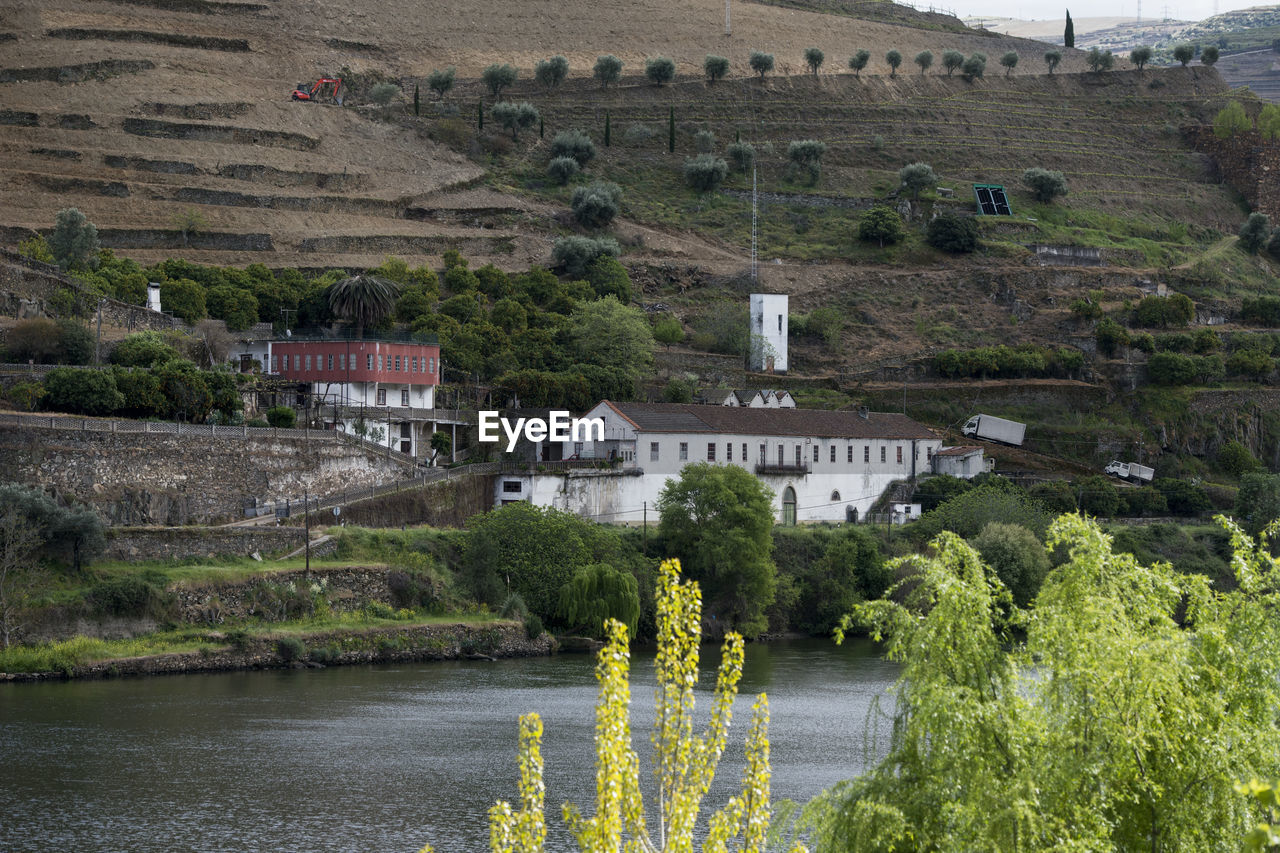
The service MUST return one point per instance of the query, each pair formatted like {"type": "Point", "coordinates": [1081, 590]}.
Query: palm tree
{"type": "Point", "coordinates": [364, 299]}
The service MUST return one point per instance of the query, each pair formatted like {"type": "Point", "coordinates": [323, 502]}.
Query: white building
{"type": "Point", "coordinates": [965, 462]}
{"type": "Point", "coordinates": [763, 399]}
{"type": "Point", "coordinates": [768, 333]}
{"type": "Point", "coordinates": [821, 465]}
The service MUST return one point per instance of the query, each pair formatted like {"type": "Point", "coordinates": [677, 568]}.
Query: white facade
{"type": "Point", "coordinates": [963, 462]}
{"type": "Point", "coordinates": [820, 465]}
{"type": "Point", "coordinates": [765, 399]}
{"type": "Point", "coordinates": [768, 332]}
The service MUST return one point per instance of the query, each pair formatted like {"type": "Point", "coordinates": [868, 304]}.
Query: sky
{"type": "Point", "coordinates": [1186, 10]}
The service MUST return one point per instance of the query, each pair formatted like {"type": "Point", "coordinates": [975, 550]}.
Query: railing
{"type": "Point", "coordinates": [375, 447]}
{"type": "Point", "coordinates": [159, 427]}
{"type": "Point", "coordinates": [42, 369]}
{"type": "Point", "coordinates": [291, 507]}
{"type": "Point", "coordinates": [533, 467]}
{"type": "Point", "coordinates": [782, 468]}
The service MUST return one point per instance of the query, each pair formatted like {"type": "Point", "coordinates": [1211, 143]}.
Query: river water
{"type": "Point", "coordinates": [379, 758]}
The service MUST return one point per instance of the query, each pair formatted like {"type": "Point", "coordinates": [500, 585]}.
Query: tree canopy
{"type": "Point", "coordinates": [718, 519]}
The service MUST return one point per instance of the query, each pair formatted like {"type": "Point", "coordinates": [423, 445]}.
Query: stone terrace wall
{"type": "Point", "coordinates": [448, 503]}
{"type": "Point", "coordinates": [154, 478]}
{"type": "Point", "coordinates": [1247, 162]}
{"type": "Point", "coordinates": [26, 286]}
{"type": "Point", "coordinates": [141, 544]}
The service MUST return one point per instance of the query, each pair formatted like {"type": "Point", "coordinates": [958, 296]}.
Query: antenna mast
{"type": "Point", "coordinates": [727, 31]}
{"type": "Point", "coordinates": [755, 205]}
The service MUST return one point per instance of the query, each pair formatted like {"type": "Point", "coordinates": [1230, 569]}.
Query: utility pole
{"type": "Point", "coordinates": [97, 344]}
{"type": "Point", "coordinates": [755, 206]}
{"type": "Point", "coordinates": [306, 515]}
{"type": "Point", "coordinates": [727, 29]}
{"type": "Point", "coordinates": [644, 535]}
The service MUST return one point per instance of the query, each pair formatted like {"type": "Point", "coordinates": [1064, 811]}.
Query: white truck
{"type": "Point", "coordinates": [992, 428]}
{"type": "Point", "coordinates": [1131, 471]}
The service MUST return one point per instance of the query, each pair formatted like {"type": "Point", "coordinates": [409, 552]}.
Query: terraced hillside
{"type": "Point", "coordinates": [138, 111]}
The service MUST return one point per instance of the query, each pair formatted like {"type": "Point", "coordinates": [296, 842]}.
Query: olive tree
{"type": "Point", "coordinates": [1052, 58]}
{"type": "Point", "coordinates": [1254, 232]}
{"type": "Point", "coordinates": [382, 93]}
{"type": "Point", "coordinates": [859, 61]}
{"type": "Point", "coordinates": [74, 240]}
{"type": "Point", "coordinates": [1009, 61]}
{"type": "Point", "coordinates": [742, 156]}
{"type": "Point", "coordinates": [813, 58]}
{"type": "Point", "coordinates": [806, 158]}
{"type": "Point", "coordinates": [551, 72]}
{"type": "Point", "coordinates": [881, 224]}
{"type": "Point", "coordinates": [1100, 60]}
{"type": "Point", "coordinates": [925, 60]}
{"type": "Point", "coordinates": [562, 169]}
{"type": "Point", "coordinates": [575, 144]}
{"type": "Point", "coordinates": [1209, 55]}
{"type": "Point", "coordinates": [572, 255]}
{"type": "Point", "coordinates": [441, 82]}
{"type": "Point", "coordinates": [596, 205]}
{"type": "Point", "coordinates": [974, 66]}
{"type": "Point", "coordinates": [1140, 56]}
{"type": "Point", "coordinates": [660, 70]}
{"type": "Point", "coordinates": [1045, 185]}
{"type": "Point", "coordinates": [761, 63]}
{"type": "Point", "coordinates": [1232, 119]}
{"type": "Point", "coordinates": [915, 177]}
{"type": "Point", "coordinates": [1184, 53]}
{"type": "Point", "coordinates": [705, 172]}
{"type": "Point", "coordinates": [715, 67]}
{"type": "Point", "coordinates": [952, 60]}
{"type": "Point", "coordinates": [608, 69]}
{"type": "Point", "coordinates": [894, 58]}
{"type": "Point", "coordinates": [498, 77]}
{"type": "Point", "coordinates": [515, 117]}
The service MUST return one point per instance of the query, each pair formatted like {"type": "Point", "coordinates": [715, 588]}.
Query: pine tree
{"type": "Point", "coordinates": [1069, 34]}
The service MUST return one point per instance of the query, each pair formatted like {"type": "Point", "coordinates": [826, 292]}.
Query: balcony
{"type": "Point", "coordinates": [784, 468]}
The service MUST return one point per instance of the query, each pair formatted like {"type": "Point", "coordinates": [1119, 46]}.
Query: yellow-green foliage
{"type": "Point", "coordinates": [1230, 121]}
{"type": "Point", "coordinates": [684, 764]}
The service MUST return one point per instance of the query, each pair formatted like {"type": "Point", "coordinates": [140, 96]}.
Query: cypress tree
{"type": "Point", "coordinates": [540, 127]}
{"type": "Point", "coordinates": [480, 115]}
{"type": "Point", "coordinates": [606, 129]}
{"type": "Point", "coordinates": [1069, 34]}
{"type": "Point", "coordinates": [415, 99]}
{"type": "Point", "coordinates": [737, 135]}
{"type": "Point", "coordinates": [671, 132]}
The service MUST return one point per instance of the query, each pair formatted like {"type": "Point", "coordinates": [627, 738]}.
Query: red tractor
{"type": "Point", "coordinates": [324, 89]}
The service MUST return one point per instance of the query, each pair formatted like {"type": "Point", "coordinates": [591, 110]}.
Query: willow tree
{"type": "Point", "coordinates": [1124, 719]}
{"type": "Point", "coordinates": [684, 763]}
{"type": "Point", "coordinates": [363, 299]}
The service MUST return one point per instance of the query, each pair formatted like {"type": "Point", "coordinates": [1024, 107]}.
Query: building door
{"type": "Point", "coordinates": [789, 507]}
{"type": "Point", "coordinates": [406, 439]}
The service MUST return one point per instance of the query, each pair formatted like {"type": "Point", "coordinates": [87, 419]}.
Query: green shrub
{"type": "Point", "coordinates": [952, 233]}
{"type": "Point", "coordinates": [562, 169]}
{"type": "Point", "coordinates": [81, 392]}
{"type": "Point", "coordinates": [806, 158]}
{"type": "Point", "coordinates": [533, 626]}
{"type": "Point", "coordinates": [74, 240]}
{"type": "Point", "coordinates": [881, 224]}
{"type": "Point", "coordinates": [440, 81]}
{"type": "Point", "coordinates": [760, 62]}
{"type": "Point", "coordinates": [742, 156]}
{"type": "Point", "coordinates": [608, 69]}
{"type": "Point", "coordinates": [515, 117]}
{"type": "Point", "coordinates": [1254, 232]}
{"type": "Point", "coordinates": [291, 649]}
{"type": "Point", "coordinates": [1164, 311]}
{"type": "Point", "coordinates": [974, 66]}
{"type": "Point", "coordinates": [1169, 368]}
{"type": "Point", "coordinates": [498, 77]}
{"type": "Point", "coordinates": [715, 67]}
{"type": "Point", "coordinates": [382, 93]}
{"type": "Point", "coordinates": [573, 255]}
{"type": "Point", "coordinates": [1019, 558]}
{"type": "Point", "coordinates": [281, 417]}
{"type": "Point", "coordinates": [705, 172]}
{"type": "Point", "coordinates": [132, 597]}
{"type": "Point", "coordinates": [596, 205]}
{"type": "Point", "coordinates": [1045, 185]}
{"type": "Point", "coordinates": [551, 72]}
{"type": "Point", "coordinates": [660, 70]}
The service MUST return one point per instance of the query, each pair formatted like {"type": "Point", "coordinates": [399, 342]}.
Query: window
{"type": "Point", "coordinates": [433, 366]}
{"type": "Point", "coordinates": [728, 451]}
{"type": "Point", "coordinates": [928, 454]}
{"type": "Point", "coordinates": [308, 362]}
{"type": "Point", "coordinates": [711, 451]}
{"type": "Point", "coordinates": [882, 451]}
{"type": "Point", "coordinates": [866, 454]}
{"type": "Point", "coordinates": [833, 453]}
{"type": "Point", "coordinates": [511, 487]}
{"type": "Point", "coordinates": [851, 454]}
{"type": "Point", "coordinates": [382, 397]}
{"type": "Point", "coordinates": [779, 324]}
{"type": "Point", "coordinates": [815, 453]}
{"type": "Point", "coordinates": [789, 507]}
{"type": "Point", "coordinates": [330, 364]}
{"type": "Point", "coordinates": [684, 450]}
{"type": "Point", "coordinates": [379, 364]}
{"type": "Point", "coordinates": [782, 459]}
{"type": "Point", "coordinates": [899, 454]}
{"type": "Point", "coordinates": [744, 453]}
{"type": "Point", "coordinates": [404, 397]}
{"type": "Point", "coordinates": [275, 363]}
{"type": "Point", "coordinates": [397, 364]}
{"type": "Point", "coordinates": [342, 361]}
{"type": "Point", "coordinates": [414, 368]}
{"type": "Point", "coordinates": [835, 497]}
{"type": "Point", "coordinates": [799, 456]}
{"type": "Point", "coordinates": [653, 451]}
{"type": "Point", "coordinates": [368, 362]}
{"type": "Point", "coordinates": [763, 454]}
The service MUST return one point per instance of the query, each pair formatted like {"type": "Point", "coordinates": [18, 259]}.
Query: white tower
{"type": "Point", "coordinates": [768, 333]}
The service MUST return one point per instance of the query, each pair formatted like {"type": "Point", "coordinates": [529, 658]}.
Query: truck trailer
{"type": "Point", "coordinates": [991, 428]}
{"type": "Point", "coordinates": [1131, 471]}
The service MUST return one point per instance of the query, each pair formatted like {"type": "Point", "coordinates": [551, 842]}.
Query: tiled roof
{"type": "Point", "coordinates": [814, 423]}
{"type": "Point", "coordinates": [964, 450]}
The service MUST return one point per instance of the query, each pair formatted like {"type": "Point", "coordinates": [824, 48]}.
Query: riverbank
{"type": "Point", "coordinates": [235, 650]}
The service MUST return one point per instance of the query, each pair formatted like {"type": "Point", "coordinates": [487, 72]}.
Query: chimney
{"type": "Point", "coordinates": [153, 297]}
{"type": "Point", "coordinates": [864, 413]}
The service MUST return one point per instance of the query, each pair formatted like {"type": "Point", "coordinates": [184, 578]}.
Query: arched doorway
{"type": "Point", "coordinates": [789, 507]}
{"type": "Point", "coordinates": [851, 514]}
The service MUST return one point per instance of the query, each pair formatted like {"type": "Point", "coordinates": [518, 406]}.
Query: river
{"type": "Point", "coordinates": [378, 758]}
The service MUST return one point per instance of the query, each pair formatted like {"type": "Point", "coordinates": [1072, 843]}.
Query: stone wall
{"type": "Point", "coordinates": [26, 288]}
{"type": "Point", "coordinates": [448, 503]}
{"type": "Point", "coordinates": [1247, 162]}
{"type": "Point", "coordinates": [348, 590]}
{"type": "Point", "coordinates": [141, 544]}
{"type": "Point", "coordinates": [154, 478]}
